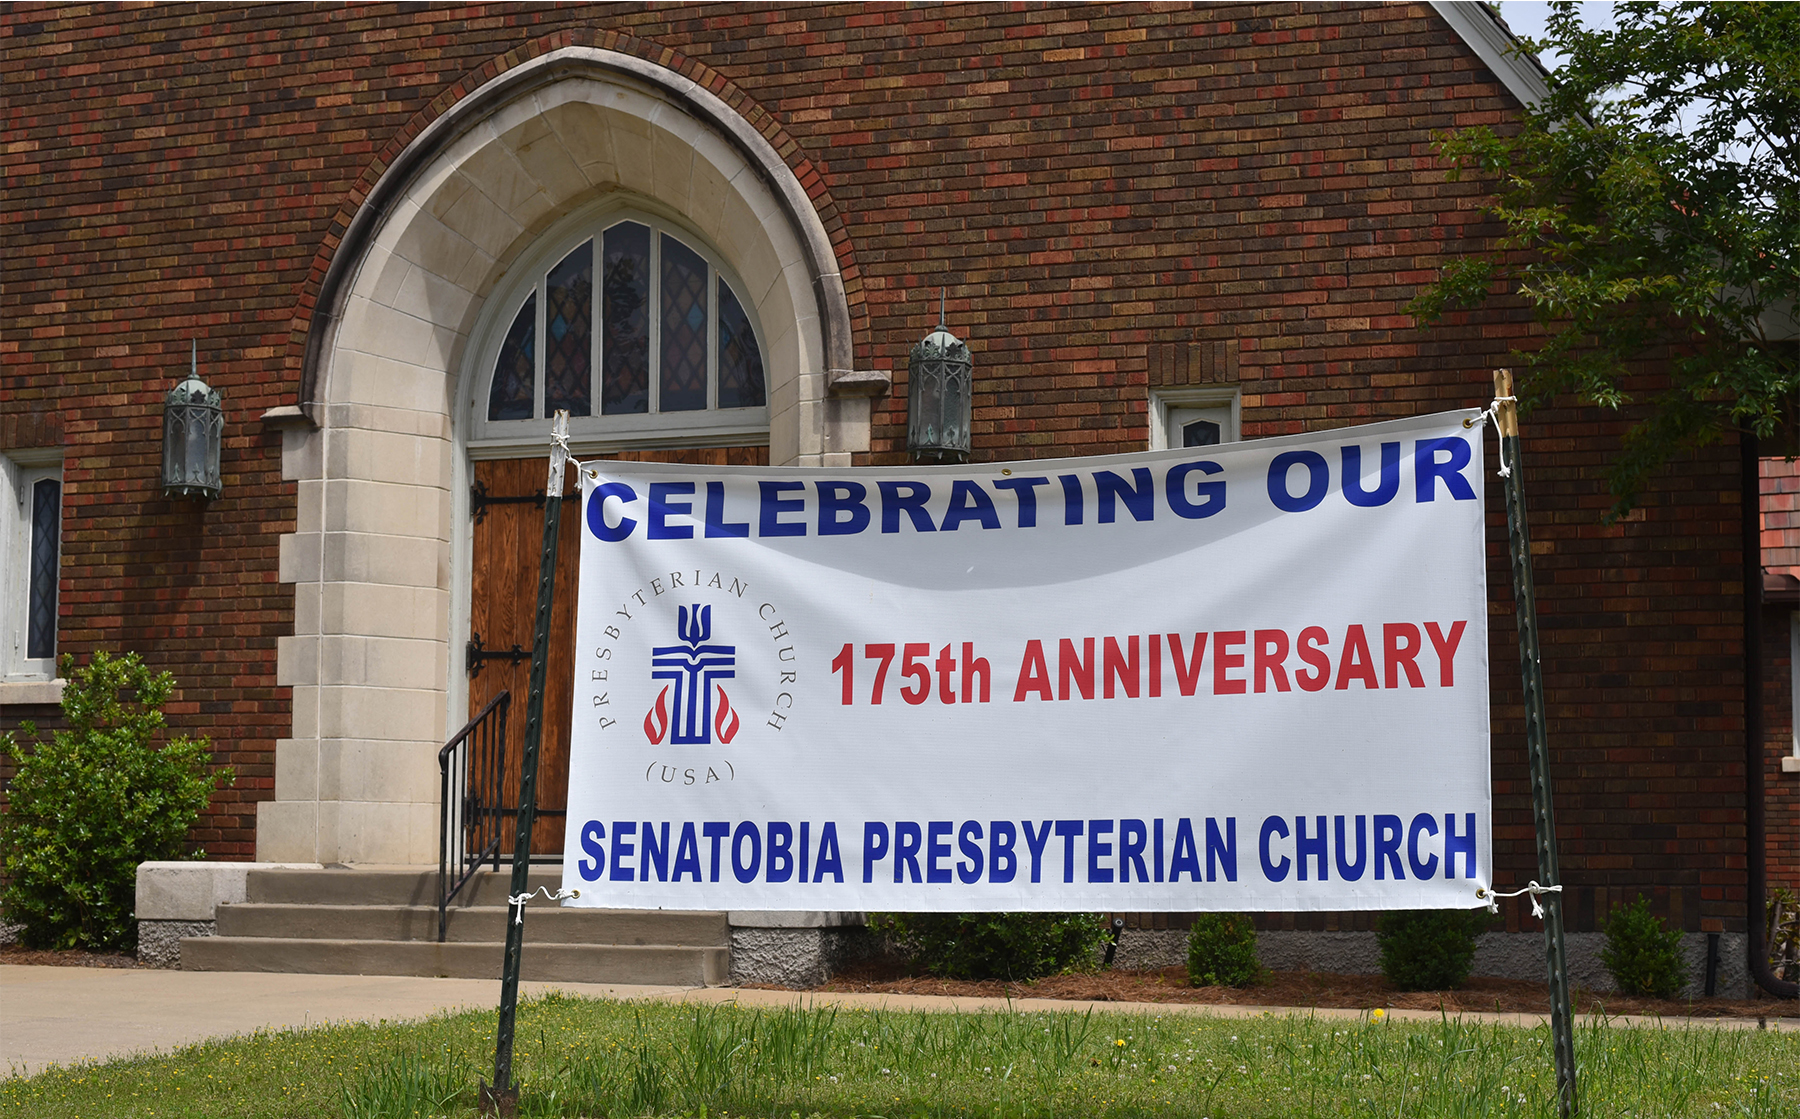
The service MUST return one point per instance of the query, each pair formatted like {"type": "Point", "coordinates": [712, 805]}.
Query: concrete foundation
{"type": "Point", "coordinates": [792, 957]}
{"type": "Point", "coordinates": [794, 949]}
{"type": "Point", "coordinates": [159, 942]}
{"type": "Point", "coordinates": [803, 949]}
{"type": "Point", "coordinates": [1151, 948]}
{"type": "Point", "coordinates": [1345, 953]}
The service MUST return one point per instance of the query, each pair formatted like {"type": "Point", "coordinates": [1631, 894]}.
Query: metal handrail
{"type": "Point", "coordinates": [470, 811]}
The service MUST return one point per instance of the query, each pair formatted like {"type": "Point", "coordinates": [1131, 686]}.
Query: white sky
{"type": "Point", "coordinates": [1526, 18]}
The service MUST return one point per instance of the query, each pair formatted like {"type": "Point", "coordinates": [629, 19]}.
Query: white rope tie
{"type": "Point", "coordinates": [561, 439]}
{"type": "Point", "coordinates": [1492, 412]}
{"type": "Point", "coordinates": [590, 469]}
{"type": "Point", "coordinates": [518, 901]}
{"type": "Point", "coordinates": [1492, 897]}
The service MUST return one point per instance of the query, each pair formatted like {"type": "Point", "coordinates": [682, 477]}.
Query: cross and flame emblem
{"type": "Point", "coordinates": [693, 668]}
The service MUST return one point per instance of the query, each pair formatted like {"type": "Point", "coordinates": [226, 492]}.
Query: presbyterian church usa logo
{"type": "Point", "coordinates": [682, 660]}
{"type": "Point", "coordinates": [684, 713]}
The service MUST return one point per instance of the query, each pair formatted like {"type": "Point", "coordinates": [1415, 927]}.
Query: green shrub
{"type": "Point", "coordinates": [1222, 951]}
{"type": "Point", "coordinates": [1781, 932]}
{"type": "Point", "coordinates": [1643, 955]}
{"type": "Point", "coordinates": [996, 945]}
{"type": "Point", "coordinates": [87, 806]}
{"type": "Point", "coordinates": [1429, 949]}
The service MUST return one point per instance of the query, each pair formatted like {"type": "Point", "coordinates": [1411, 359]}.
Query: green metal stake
{"type": "Point", "coordinates": [501, 1098]}
{"type": "Point", "coordinates": [1537, 742]}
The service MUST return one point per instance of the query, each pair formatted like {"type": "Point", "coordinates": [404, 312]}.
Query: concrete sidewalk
{"type": "Point", "coordinates": [61, 1015]}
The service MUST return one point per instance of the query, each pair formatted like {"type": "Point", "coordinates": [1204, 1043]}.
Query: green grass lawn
{"type": "Point", "coordinates": [579, 1057]}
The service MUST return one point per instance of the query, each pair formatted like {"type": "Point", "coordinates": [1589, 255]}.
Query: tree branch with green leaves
{"type": "Point", "coordinates": [1651, 207]}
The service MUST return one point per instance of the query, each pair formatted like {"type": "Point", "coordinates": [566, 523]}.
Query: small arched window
{"type": "Point", "coordinates": [631, 326]}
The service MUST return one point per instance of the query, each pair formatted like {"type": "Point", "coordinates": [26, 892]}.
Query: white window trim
{"type": "Point", "coordinates": [22, 679]}
{"type": "Point", "coordinates": [705, 428]}
{"type": "Point", "coordinates": [1166, 400]}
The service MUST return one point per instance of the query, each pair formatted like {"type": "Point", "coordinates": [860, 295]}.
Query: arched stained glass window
{"type": "Point", "coordinates": [740, 362]}
{"type": "Point", "coordinates": [625, 346]}
{"type": "Point", "coordinates": [684, 333]}
{"type": "Point", "coordinates": [568, 333]}
{"type": "Point", "coordinates": [660, 331]}
{"type": "Point", "coordinates": [511, 397]}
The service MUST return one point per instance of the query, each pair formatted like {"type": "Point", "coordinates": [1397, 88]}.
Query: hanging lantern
{"type": "Point", "coordinates": [193, 427]}
{"type": "Point", "coordinates": [940, 376]}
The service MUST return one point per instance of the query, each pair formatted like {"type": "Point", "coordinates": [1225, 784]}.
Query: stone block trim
{"type": "Point", "coordinates": [479, 185]}
{"type": "Point", "coordinates": [178, 899]}
{"type": "Point", "coordinates": [193, 891]}
{"type": "Point", "coordinates": [307, 340]}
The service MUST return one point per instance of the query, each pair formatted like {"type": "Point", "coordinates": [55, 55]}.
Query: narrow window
{"type": "Point", "coordinates": [568, 315]}
{"type": "Point", "coordinates": [46, 540]}
{"type": "Point", "coordinates": [683, 382]}
{"type": "Point", "coordinates": [625, 320]}
{"type": "Point", "coordinates": [740, 361]}
{"type": "Point", "coordinates": [1200, 433]}
{"type": "Point", "coordinates": [515, 372]}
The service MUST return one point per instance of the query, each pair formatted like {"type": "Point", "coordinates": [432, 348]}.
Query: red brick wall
{"type": "Point", "coordinates": [1781, 515]}
{"type": "Point", "coordinates": [1114, 197]}
{"type": "Point", "coordinates": [1782, 802]}
{"type": "Point", "coordinates": [1781, 564]}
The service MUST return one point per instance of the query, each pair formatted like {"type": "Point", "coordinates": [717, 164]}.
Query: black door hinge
{"type": "Point", "coordinates": [475, 654]}
{"type": "Point", "coordinates": [479, 500]}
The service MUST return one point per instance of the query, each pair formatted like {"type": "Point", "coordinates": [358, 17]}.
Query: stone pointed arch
{"type": "Point", "coordinates": [373, 662]}
{"type": "Point", "coordinates": [552, 85]}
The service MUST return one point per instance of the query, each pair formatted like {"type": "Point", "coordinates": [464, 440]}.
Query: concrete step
{"type": "Point", "coordinates": [544, 924]}
{"type": "Point", "coordinates": [565, 963]}
{"type": "Point", "coordinates": [383, 886]}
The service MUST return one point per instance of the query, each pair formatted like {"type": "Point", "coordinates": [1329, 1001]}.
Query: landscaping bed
{"type": "Point", "coordinates": [73, 957]}
{"type": "Point", "coordinates": [1292, 988]}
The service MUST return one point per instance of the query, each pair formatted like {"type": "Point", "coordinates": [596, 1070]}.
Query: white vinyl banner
{"type": "Point", "coordinates": [1241, 677]}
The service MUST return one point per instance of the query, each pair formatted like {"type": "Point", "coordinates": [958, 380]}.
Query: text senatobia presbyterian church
{"type": "Point", "coordinates": [1244, 677]}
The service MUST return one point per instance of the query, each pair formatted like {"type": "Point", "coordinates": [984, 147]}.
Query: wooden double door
{"type": "Point", "coordinates": [508, 511]}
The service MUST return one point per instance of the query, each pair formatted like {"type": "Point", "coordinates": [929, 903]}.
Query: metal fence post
{"type": "Point", "coordinates": [1536, 741]}
{"type": "Point", "coordinates": [501, 1098]}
